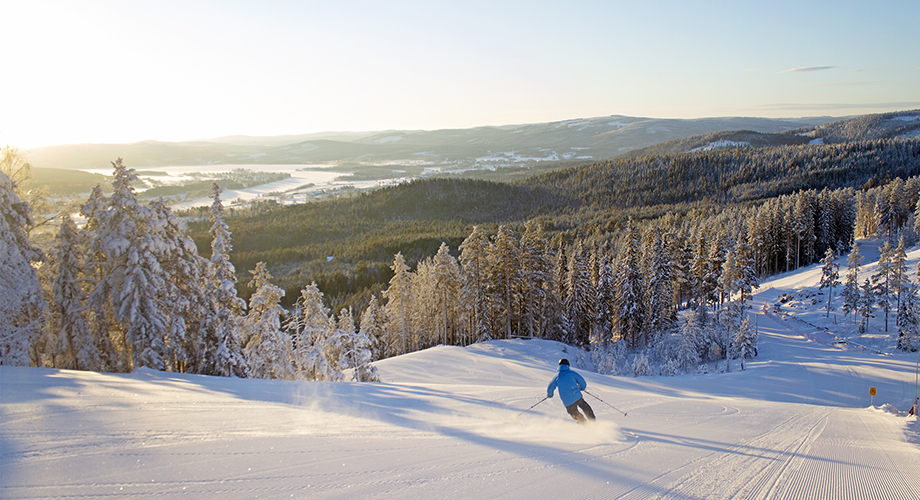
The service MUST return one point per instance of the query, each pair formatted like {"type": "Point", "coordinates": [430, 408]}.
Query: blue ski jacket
{"type": "Point", "coordinates": [570, 385]}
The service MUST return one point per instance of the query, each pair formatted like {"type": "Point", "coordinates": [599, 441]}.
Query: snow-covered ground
{"type": "Point", "coordinates": [448, 422]}
{"type": "Point", "coordinates": [305, 182]}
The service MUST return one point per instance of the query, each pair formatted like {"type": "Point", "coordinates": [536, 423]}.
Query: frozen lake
{"type": "Point", "coordinates": [305, 181]}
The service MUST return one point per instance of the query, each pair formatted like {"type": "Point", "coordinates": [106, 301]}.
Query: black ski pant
{"type": "Point", "coordinates": [585, 407]}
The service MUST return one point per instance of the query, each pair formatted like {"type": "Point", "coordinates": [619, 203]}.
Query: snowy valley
{"type": "Point", "coordinates": [450, 422]}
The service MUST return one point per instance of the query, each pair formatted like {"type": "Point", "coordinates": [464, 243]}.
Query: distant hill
{"type": "Point", "coordinates": [901, 124]}
{"type": "Point", "coordinates": [63, 182]}
{"type": "Point", "coordinates": [586, 140]}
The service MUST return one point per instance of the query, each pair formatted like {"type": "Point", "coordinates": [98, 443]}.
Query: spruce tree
{"type": "Point", "coordinates": [536, 266]}
{"type": "Point", "coordinates": [851, 291]}
{"type": "Point", "coordinates": [505, 277]}
{"type": "Point", "coordinates": [76, 347]}
{"type": "Point", "coordinates": [129, 300]}
{"type": "Point", "coordinates": [398, 305]}
{"type": "Point", "coordinates": [222, 351]}
{"type": "Point", "coordinates": [688, 351]}
{"type": "Point", "coordinates": [355, 351]}
{"type": "Point", "coordinates": [446, 289]}
{"type": "Point", "coordinates": [22, 306]}
{"type": "Point", "coordinates": [309, 328]}
{"type": "Point", "coordinates": [909, 318]}
{"type": "Point", "coordinates": [659, 282]}
{"type": "Point", "coordinates": [630, 315]}
{"type": "Point", "coordinates": [882, 280]}
{"type": "Point", "coordinates": [579, 297]}
{"type": "Point", "coordinates": [372, 326]}
{"type": "Point", "coordinates": [745, 341]}
{"type": "Point", "coordinates": [473, 262]}
{"type": "Point", "coordinates": [830, 273]}
{"type": "Point", "coordinates": [268, 349]}
{"type": "Point", "coordinates": [732, 314]}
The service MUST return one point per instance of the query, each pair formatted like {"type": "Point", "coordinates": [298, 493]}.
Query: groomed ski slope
{"type": "Point", "coordinates": [447, 423]}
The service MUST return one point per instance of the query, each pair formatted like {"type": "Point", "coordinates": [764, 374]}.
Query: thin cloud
{"type": "Point", "coordinates": [807, 69]}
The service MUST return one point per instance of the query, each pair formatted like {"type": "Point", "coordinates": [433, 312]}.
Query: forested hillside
{"type": "Point", "coordinates": [602, 256]}
{"type": "Point", "coordinates": [362, 234]}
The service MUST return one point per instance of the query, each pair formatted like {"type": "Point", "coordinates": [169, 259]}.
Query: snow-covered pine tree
{"type": "Point", "coordinates": [679, 249]}
{"type": "Point", "coordinates": [745, 341]}
{"type": "Point", "coordinates": [15, 165]}
{"type": "Point", "coordinates": [700, 290]}
{"type": "Point", "coordinates": [641, 366]}
{"type": "Point", "coordinates": [866, 305]}
{"type": "Point", "coordinates": [372, 322]}
{"type": "Point", "coordinates": [268, 350]}
{"type": "Point", "coordinates": [601, 341]}
{"type": "Point", "coordinates": [354, 351]}
{"type": "Point", "coordinates": [222, 351]}
{"type": "Point", "coordinates": [603, 357]}
{"type": "Point", "coordinates": [76, 348]}
{"type": "Point", "coordinates": [536, 265]}
{"type": "Point", "coordinates": [747, 272]}
{"type": "Point", "coordinates": [579, 297]}
{"type": "Point", "coordinates": [22, 306]}
{"type": "Point", "coordinates": [338, 345]}
{"type": "Point", "coordinates": [424, 320]}
{"type": "Point", "coordinates": [909, 318]}
{"type": "Point", "coordinates": [446, 289]}
{"type": "Point", "coordinates": [830, 273]}
{"type": "Point", "coordinates": [360, 354]}
{"type": "Point", "coordinates": [556, 317]}
{"type": "Point", "coordinates": [309, 327]}
{"type": "Point", "coordinates": [731, 315]}
{"type": "Point", "coordinates": [825, 234]}
{"type": "Point", "coordinates": [397, 308]}
{"type": "Point", "coordinates": [603, 305]}
{"type": "Point", "coordinates": [473, 262]}
{"type": "Point", "coordinates": [917, 219]}
{"type": "Point", "coordinates": [718, 250]}
{"type": "Point", "coordinates": [630, 299]}
{"type": "Point", "coordinates": [688, 351]}
{"type": "Point", "coordinates": [804, 227]}
{"type": "Point", "coordinates": [851, 291]}
{"type": "Point", "coordinates": [860, 229]}
{"type": "Point", "coordinates": [504, 279]}
{"type": "Point", "coordinates": [659, 282]}
{"type": "Point", "coordinates": [881, 280]}
{"type": "Point", "coordinates": [189, 303]}
{"type": "Point", "coordinates": [130, 300]}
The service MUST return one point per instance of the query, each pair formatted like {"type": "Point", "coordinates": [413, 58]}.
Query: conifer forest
{"type": "Point", "coordinates": [644, 261]}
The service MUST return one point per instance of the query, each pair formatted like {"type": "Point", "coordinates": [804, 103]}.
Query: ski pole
{"type": "Point", "coordinates": [606, 403]}
{"type": "Point", "coordinates": [532, 407]}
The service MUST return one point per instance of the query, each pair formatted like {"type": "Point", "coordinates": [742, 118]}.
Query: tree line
{"type": "Point", "coordinates": [129, 288]}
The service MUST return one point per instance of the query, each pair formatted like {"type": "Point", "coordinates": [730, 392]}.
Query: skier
{"type": "Point", "coordinates": [570, 385]}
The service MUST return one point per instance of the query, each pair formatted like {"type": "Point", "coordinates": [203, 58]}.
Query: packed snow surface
{"type": "Point", "coordinates": [450, 422]}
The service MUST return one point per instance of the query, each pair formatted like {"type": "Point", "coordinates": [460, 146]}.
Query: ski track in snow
{"type": "Point", "coordinates": [449, 422]}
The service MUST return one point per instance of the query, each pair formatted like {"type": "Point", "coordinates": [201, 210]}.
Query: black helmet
{"type": "Point", "coordinates": [564, 361]}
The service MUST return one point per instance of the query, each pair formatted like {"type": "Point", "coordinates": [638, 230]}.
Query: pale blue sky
{"type": "Point", "coordinates": [124, 71]}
